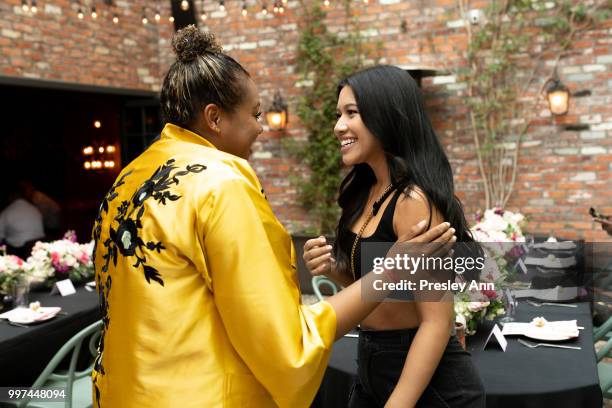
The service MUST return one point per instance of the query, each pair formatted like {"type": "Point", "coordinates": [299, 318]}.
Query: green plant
{"type": "Point", "coordinates": [324, 58]}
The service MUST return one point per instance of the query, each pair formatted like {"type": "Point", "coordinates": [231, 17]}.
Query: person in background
{"type": "Point", "coordinates": [49, 208]}
{"type": "Point", "coordinates": [21, 224]}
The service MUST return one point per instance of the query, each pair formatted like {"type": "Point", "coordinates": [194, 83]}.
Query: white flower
{"type": "Point", "coordinates": [126, 239]}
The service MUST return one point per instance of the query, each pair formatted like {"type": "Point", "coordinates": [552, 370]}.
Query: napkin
{"type": "Point", "coordinates": [567, 328]}
{"type": "Point", "coordinates": [23, 313]}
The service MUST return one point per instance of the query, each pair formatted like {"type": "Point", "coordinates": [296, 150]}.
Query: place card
{"type": "Point", "coordinates": [501, 340]}
{"type": "Point", "coordinates": [521, 265]}
{"type": "Point", "coordinates": [64, 287]}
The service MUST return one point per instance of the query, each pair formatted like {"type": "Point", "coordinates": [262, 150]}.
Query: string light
{"type": "Point", "coordinates": [94, 13]}
{"type": "Point", "coordinates": [157, 16]}
{"type": "Point", "coordinates": [116, 19]}
{"type": "Point", "coordinates": [171, 19]}
{"type": "Point", "coordinates": [284, 1]}
{"type": "Point", "coordinates": [222, 5]}
{"type": "Point", "coordinates": [275, 9]}
{"type": "Point", "coordinates": [244, 9]}
{"type": "Point", "coordinates": [145, 20]}
{"type": "Point", "coordinates": [80, 14]}
{"type": "Point", "coordinates": [184, 5]}
{"type": "Point", "coordinates": [24, 6]}
{"type": "Point", "coordinates": [33, 7]}
{"type": "Point", "coordinates": [264, 10]}
{"type": "Point", "coordinates": [203, 15]}
{"type": "Point", "coordinates": [326, 2]}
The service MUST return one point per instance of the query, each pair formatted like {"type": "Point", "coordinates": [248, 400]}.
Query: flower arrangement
{"type": "Point", "coordinates": [494, 229]}
{"type": "Point", "coordinates": [498, 225]}
{"type": "Point", "coordinates": [474, 305]}
{"type": "Point", "coordinates": [61, 259]}
{"type": "Point", "coordinates": [12, 269]}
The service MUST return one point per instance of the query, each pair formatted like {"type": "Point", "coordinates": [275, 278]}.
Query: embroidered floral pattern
{"type": "Point", "coordinates": [126, 241]}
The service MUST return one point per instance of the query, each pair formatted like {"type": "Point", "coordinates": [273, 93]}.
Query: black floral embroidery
{"type": "Point", "coordinates": [125, 240]}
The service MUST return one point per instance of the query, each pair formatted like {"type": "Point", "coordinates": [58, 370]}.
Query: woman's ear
{"type": "Point", "coordinates": [212, 117]}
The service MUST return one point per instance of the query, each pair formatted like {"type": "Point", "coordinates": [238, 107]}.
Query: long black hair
{"type": "Point", "coordinates": [391, 107]}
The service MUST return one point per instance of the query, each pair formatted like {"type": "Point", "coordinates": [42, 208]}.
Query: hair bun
{"type": "Point", "coordinates": [189, 43]}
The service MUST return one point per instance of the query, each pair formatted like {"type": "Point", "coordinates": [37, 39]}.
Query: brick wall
{"type": "Point", "coordinates": [54, 44]}
{"type": "Point", "coordinates": [561, 173]}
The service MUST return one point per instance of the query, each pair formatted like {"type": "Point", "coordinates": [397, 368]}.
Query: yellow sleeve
{"type": "Point", "coordinates": [249, 254]}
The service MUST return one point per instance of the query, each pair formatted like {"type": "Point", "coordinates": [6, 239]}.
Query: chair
{"type": "Point", "coordinates": [77, 384]}
{"type": "Point", "coordinates": [321, 281]}
{"type": "Point", "coordinates": [604, 370]}
{"type": "Point", "coordinates": [605, 330]}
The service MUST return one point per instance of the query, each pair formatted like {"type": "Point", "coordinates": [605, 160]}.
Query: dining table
{"type": "Point", "coordinates": [520, 377]}
{"type": "Point", "coordinates": [26, 350]}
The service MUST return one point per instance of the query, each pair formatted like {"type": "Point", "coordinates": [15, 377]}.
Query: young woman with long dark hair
{"type": "Point", "coordinates": [399, 175]}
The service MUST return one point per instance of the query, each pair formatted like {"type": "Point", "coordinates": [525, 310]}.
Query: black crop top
{"type": "Point", "coordinates": [384, 234]}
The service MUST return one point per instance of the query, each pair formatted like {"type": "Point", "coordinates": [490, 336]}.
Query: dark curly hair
{"type": "Point", "coordinates": [202, 74]}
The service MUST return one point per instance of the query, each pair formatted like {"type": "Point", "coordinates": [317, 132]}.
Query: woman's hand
{"type": "Point", "coordinates": [318, 257]}
{"type": "Point", "coordinates": [606, 224]}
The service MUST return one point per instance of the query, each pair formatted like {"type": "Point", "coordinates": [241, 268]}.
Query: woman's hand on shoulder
{"type": "Point", "coordinates": [318, 257]}
{"type": "Point", "coordinates": [411, 209]}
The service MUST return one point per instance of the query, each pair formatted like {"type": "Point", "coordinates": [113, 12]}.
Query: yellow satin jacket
{"type": "Point", "coordinates": [198, 288]}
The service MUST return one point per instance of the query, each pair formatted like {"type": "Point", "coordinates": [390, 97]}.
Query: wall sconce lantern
{"type": "Point", "coordinates": [557, 95]}
{"type": "Point", "coordinates": [277, 115]}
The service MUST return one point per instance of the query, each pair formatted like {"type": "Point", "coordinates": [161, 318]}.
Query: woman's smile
{"type": "Point", "coordinates": [347, 143]}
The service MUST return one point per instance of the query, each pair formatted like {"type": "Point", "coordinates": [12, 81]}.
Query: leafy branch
{"type": "Point", "coordinates": [324, 58]}
{"type": "Point", "coordinates": [500, 66]}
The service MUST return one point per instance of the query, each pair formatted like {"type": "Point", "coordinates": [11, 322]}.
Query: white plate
{"type": "Point", "coordinates": [541, 333]}
{"type": "Point", "coordinates": [29, 316]}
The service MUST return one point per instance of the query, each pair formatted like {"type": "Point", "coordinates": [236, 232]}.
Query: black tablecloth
{"type": "Point", "coordinates": [520, 377]}
{"type": "Point", "coordinates": [24, 352]}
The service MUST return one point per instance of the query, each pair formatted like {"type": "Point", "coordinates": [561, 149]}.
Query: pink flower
{"type": "Point", "coordinates": [491, 294]}
{"type": "Point", "coordinates": [84, 258]}
{"type": "Point", "coordinates": [55, 258]}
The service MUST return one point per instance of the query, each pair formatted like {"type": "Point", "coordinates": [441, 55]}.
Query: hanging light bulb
{"type": "Point", "coordinates": [116, 19]}
{"type": "Point", "coordinates": [244, 10]}
{"type": "Point", "coordinates": [24, 6]}
{"type": "Point", "coordinates": [326, 2]}
{"type": "Point", "coordinates": [203, 16]}
{"type": "Point", "coordinates": [145, 20]}
{"type": "Point", "coordinates": [284, 1]}
{"type": "Point", "coordinates": [222, 5]}
{"type": "Point", "coordinates": [33, 7]}
{"type": "Point", "coordinates": [80, 14]}
{"type": "Point", "coordinates": [157, 16]}
{"type": "Point", "coordinates": [94, 13]}
{"type": "Point", "coordinates": [184, 5]}
{"type": "Point", "coordinates": [264, 10]}
{"type": "Point", "coordinates": [275, 8]}
{"type": "Point", "coordinates": [171, 19]}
